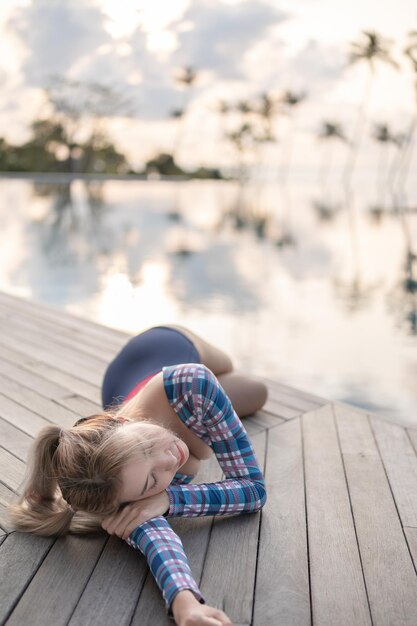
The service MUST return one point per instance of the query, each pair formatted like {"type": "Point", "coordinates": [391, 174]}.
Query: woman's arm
{"type": "Point", "coordinates": [201, 402]}
{"type": "Point", "coordinates": [166, 558]}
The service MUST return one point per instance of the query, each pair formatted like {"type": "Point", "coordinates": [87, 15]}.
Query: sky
{"type": "Point", "coordinates": [240, 48]}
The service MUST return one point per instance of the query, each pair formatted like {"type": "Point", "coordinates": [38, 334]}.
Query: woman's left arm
{"type": "Point", "coordinates": [195, 390]}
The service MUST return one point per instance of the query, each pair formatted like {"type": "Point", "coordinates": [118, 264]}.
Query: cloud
{"type": "Point", "coordinates": [317, 66]}
{"type": "Point", "coordinates": [57, 35]}
{"type": "Point", "coordinates": [221, 35]}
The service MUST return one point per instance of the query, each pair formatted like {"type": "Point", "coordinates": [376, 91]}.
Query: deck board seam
{"type": "Point", "coordinates": [88, 578]}
{"type": "Point", "coordinates": [258, 541]}
{"type": "Point", "coordinates": [392, 494]}
{"type": "Point", "coordinates": [411, 440]}
{"type": "Point", "coordinates": [332, 409]}
{"type": "Point", "coordinates": [303, 458]}
{"type": "Point", "coordinates": [43, 360]}
{"type": "Point", "coordinates": [29, 581]}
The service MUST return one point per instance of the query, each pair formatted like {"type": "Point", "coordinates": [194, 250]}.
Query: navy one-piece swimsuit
{"type": "Point", "coordinates": [144, 355]}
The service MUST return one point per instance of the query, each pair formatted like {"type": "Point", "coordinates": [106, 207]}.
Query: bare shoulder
{"type": "Point", "coordinates": [152, 399]}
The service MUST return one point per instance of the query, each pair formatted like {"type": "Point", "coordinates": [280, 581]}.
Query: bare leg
{"type": "Point", "coordinates": [211, 356]}
{"type": "Point", "coordinates": [246, 394]}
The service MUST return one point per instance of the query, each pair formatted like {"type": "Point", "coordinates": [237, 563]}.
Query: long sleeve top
{"type": "Point", "coordinates": [202, 404]}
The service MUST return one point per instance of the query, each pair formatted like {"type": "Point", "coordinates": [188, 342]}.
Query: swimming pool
{"type": "Point", "coordinates": [333, 313]}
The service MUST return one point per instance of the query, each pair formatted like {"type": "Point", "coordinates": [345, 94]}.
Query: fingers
{"type": "Point", "coordinates": [218, 618]}
{"type": "Point", "coordinates": [116, 524]}
{"type": "Point", "coordinates": [124, 521]}
{"type": "Point", "coordinates": [222, 618]}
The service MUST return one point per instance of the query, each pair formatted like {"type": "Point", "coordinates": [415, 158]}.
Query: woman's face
{"type": "Point", "coordinates": [144, 478]}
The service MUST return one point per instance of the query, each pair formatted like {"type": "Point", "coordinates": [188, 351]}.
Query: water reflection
{"type": "Point", "coordinates": [260, 269]}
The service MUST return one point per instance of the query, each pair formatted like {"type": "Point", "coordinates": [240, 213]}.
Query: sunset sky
{"type": "Point", "coordinates": [240, 48]}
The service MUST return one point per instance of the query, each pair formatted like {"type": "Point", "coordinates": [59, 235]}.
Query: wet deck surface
{"type": "Point", "coordinates": [336, 542]}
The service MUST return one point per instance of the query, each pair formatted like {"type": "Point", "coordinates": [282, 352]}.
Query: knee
{"type": "Point", "coordinates": [260, 393]}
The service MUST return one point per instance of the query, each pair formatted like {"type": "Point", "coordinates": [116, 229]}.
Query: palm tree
{"type": "Point", "coordinates": [329, 132]}
{"type": "Point", "coordinates": [243, 141]}
{"type": "Point", "coordinates": [373, 48]}
{"type": "Point", "coordinates": [411, 52]}
{"type": "Point", "coordinates": [186, 77]}
{"type": "Point", "coordinates": [290, 101]}
{"type": "Point", "coordinates": [382, 134]}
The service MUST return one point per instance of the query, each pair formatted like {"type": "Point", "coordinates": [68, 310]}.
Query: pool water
{"type": "Point", "coordinates": [325, 303]}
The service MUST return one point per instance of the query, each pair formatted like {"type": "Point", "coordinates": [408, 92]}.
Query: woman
{"type": "Point", "coordinates": [170, 399]}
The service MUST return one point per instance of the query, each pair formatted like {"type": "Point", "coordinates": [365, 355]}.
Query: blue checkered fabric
{"type": "Point", "coordinates": [202, 404]}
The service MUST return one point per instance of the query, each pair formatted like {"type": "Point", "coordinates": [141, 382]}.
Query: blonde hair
{"type": "Point", "coordinates": [73, 475]}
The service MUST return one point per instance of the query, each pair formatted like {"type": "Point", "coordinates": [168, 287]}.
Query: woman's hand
{"type": "Point", "coordinates": [188, 611]}
{"type": "Point", "coordinates": [123, 522]}
{"type": "Point", "coordinates": [204, 615]}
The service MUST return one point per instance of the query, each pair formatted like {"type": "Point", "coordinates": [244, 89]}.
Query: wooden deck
{"type": "Point", "coordinates": [335, 544]}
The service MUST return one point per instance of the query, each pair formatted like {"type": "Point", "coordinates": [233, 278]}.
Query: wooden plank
{"type": "Point", "coordinates": [338, 592]}
{"type": "Point", "coordinates": [53, 356]}
{"type": "Point", "coordinates": [412, 433]}
{"type": "Point", "coordinates": [14, 440]}
{"type": "Point", "coordinates": [70, 320]}
{"type": "Point", "coordinates": [251, 426]}
{"type": "Point", "coordinates": [40, 339]}
{"type": "Point", "coordinates": [49, 390]}
{"type": "Point", "coordinates": [389, 573]}
{"type": "Point", "coordinates": [266, 420]}
{"type": "Point", "coordinates": [109, 599]}
{"type": "Point", "coordinates": [280, 410]}
{"type": "Point", "coordinates": [400, 463]}
{"type": "Point", "coordinates": [20, 556]}
{"type": "Point", "coordinates": [12, 469]}
{"type": "Point", "coordinates": [50, 410]}
{"type": "Point", "coordinates": [54, 590]}
{"type": "Point", "coordinates": [411, 536]}
{"type": "Point", "coordinates": [67, 337]}
{"type": "Point", "coordinates": [7, 495]}
{"type": "Point", "coordinates": [282, 586]}
{"type": "Point", "coordinates": [233, 543]}
{"type": "Point", "coordinates": [293, 401]}
{"type": "Point", "coordinates": [51, 373]}
{"type": "Point", "coordinates": [4, 520]}
{"type": "Point", "coordinates": [99, 338]}
{"type": "Point", "coordinates": [21, 416]}
{"type": "Point", "coordinates": [293, 391]}
{"type": "Point", "coordinates": [81, 387]}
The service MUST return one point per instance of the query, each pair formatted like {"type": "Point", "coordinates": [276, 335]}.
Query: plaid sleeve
{"type": "Point", "coordinates": [166, 558]}
{"type": "Point", "coordinates": [201, 402]}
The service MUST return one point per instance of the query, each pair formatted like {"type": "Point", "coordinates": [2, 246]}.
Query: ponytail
{"type": "Point", "coordinates": [73, 475]}
{"type": "Point", "coordinates": [41, 509]}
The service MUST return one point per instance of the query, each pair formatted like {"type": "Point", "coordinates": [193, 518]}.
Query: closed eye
{"type": "Point", "coordinates": [122, 504]}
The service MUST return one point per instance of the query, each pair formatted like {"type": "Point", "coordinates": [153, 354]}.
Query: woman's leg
{"type": "Point", "coordinates": [213, 358]}
{"type": "Point", "coordinates": [246, 394]}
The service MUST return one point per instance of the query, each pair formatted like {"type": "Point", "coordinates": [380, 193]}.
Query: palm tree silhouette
{"type": "Point", "coordinates": [242, 139]}
{"type": "Point", "coordinates": [290, 101]}
{"type": "Point", "coordinates": [382, 134]}
{"type": "Point", "coordinates": [411, 52]}
{"type": "Point", "coordinates": [373, 48]}
{"type": "Point", "coordinates": [186, 77]}
{"type": "Point", "coordinates": [328, 133]}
